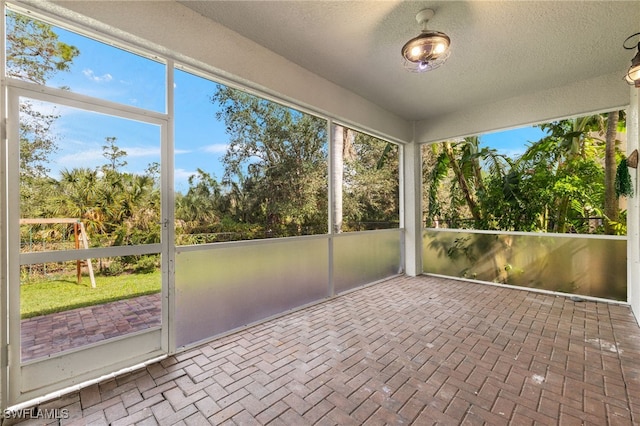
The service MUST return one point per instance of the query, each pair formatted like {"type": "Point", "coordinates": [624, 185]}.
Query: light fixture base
{"type": "Point", "coordinates": [424, 15]}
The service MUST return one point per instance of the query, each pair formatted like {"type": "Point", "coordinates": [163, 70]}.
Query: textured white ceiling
{"type": "Point", "coordinates": [500, 49]}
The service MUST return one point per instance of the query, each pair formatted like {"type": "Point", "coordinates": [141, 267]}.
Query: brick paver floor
{"type": "Point", "coordinates": [49, 334]}
{"type": "Point", "coordinates": [409, 350]}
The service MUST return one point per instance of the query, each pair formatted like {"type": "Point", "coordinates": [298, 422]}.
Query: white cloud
{"type": "Point", "coordinates": [80, 158]}
{"type": "Point", "coordinates": [182, 174]}
{"type": "Point", "coordinates": [94, 157]}
{"type": "Point", "coordinates": [146, 151]}
{"type": "Point", "coordinates": [216, 148]}
{"type": "Point", "coordinates": [105, 78]}
{"type": "Point", "coordinates": [181, 179]}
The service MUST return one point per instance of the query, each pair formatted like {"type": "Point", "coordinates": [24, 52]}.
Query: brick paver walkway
{"type": "Point", "coordinates": [50, 334]}
{"type": "Point", "coordinates": [409, 350]}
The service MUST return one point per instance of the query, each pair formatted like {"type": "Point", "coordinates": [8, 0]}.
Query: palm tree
{"type": "Point", "coordinates": [466, 181]}
{"type": "Point", "coordinates": [343, 139]}
{"type": "Point", "coordinates": [463, 159]}
{"type": "Point", "coordinates": [77, 196]}
{"type": "Point", "coordinates": [611, 205]}
{"type": "Point", "coordinates": [241, 197]}
{"type": "Point", "coordinates": [571, 146]}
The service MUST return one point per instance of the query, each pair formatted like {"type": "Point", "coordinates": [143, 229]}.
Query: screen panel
{"type": "Point", "coordinates": [221, 287]}
{"type": "Point", "coordinates": [363, 257]}
{"type": "Point", "coordinates": [588, 266]}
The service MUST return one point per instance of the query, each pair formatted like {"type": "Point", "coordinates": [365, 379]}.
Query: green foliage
{"type": "Point", "coordinates": [438, 174]}
{"type": "Point", "coordinates": [117, 208]}
{"type": "Point", "coordinates": [275, 181]}
{"type": "Point", "coordinates": [274, 185]}
{"type": "Point", "coordinates": [277, 158]}
{"type": "Point", "coordinates": [114, 269]}
{"type": "Point", "coordinates": [370, 185]}
{"type": "Point", "coordinates": [34, 53]}
{"type": "Point", "coordinates": [619, 227]}
{"type": "Point", "coordinates": [624, 186]}
{"type": "Point", "coordinates": [555, 186]}
{"type": "Point", "coordinates": [113, 154]}
{"type": "Point", "coordinates": [147, 264]}
{"type": "Point", "coordinates": [201, 207]}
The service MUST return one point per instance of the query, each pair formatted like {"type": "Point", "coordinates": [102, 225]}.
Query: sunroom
{"type": "Point", "coordinates": [226, 163]}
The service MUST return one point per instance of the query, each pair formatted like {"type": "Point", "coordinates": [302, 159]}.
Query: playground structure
{"type": "Point", "coordinates": [81, 240]}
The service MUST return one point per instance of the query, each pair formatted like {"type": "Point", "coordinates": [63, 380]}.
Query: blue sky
{"type": "Point", "coordinates": [112, 74]}
{"type": "Point", "coordinates": [512, 143]}
{"type": "Point", "coordinates": [200, 140]}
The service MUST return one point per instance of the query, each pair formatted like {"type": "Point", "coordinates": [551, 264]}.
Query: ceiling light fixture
{"type": "Point", "coordinates": [429, 49]}
{"type": "Point", "coordinates": [633, 74]}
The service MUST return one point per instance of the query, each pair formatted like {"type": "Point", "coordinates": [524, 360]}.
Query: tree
{"type": "Point", "coordinates": [611, 206]}
{"type": "Point", "coordinates": [554, 186]}
{"type": "Point", "coordinates": [201, 206]}
{"type": "Point", "coordinates": [117, 208]}
{"type": "Point", "coordinates": [574, 152]}
{"type": "Point", "coordinates": [34, 53]}
{"type": "Point", "coordinates": [241, 197]}
{"type": "Point", "coordinates": [457, 165]}
{"type": "Point", "coordinates": [77, 195]}
{"type": "Point", "coordinates": [371, 183]}
{"type": "Point", "coordinates": [435, 168]}
{"type": "Point", "coordinates": [113, 154]}
{"type": "Point", "coordinates": [465, 181]}
{"type": "Point", "coordinates": [343, 138]}
{"type": "Point", "coordinates": [284, 154]}
{"type": "Point", "coordinates": [136, 211]}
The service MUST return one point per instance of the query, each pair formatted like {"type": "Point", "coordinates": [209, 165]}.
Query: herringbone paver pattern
{"type": "Point", "coordinates": [410, 350]}
{"type": "Point", "coordinates": [49, 334]}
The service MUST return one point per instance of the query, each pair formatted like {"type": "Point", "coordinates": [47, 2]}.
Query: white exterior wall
{"type": "Point", "coordinates": [412, 214]}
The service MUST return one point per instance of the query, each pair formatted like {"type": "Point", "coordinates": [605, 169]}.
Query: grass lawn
{"type": "Point", "coordinates": [49, 296]}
